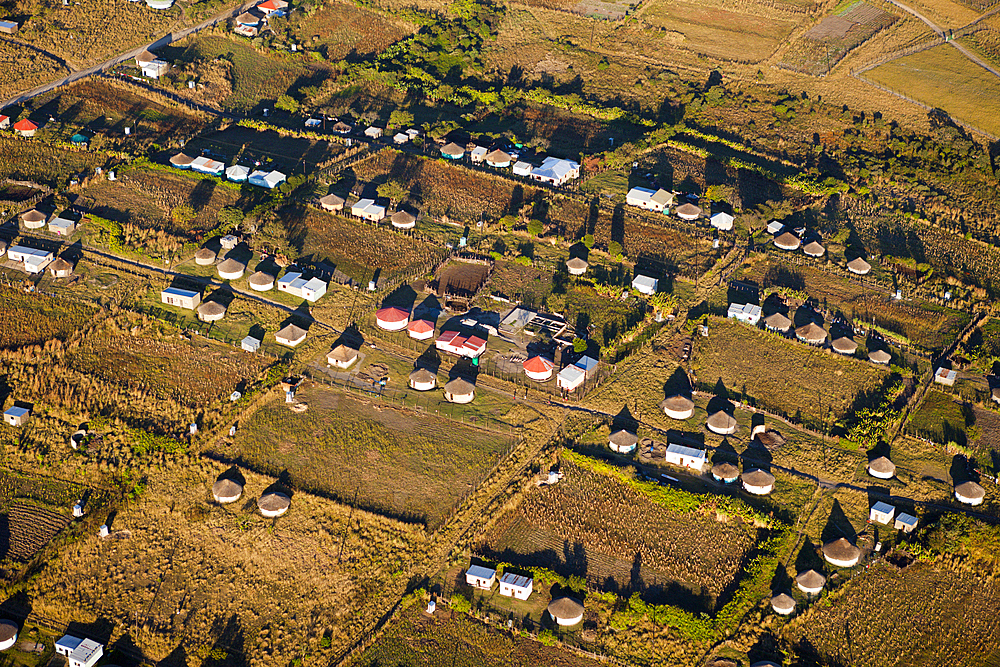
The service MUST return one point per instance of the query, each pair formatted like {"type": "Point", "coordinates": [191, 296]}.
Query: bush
{"type": "Point", "coordinates": [460, 603]}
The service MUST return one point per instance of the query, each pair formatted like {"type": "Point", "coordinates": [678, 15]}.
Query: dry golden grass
{"type": "Point", "coordinates": [22, 69]}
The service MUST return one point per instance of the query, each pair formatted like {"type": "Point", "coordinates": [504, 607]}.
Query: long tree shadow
{"type": "Point", "coordinates": [838, 525]}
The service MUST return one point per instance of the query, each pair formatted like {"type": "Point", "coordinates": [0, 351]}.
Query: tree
{"type": "Point", "coordinates": [287, 103]}
{"type": "Point", "coordinates": [393, 190]}
{"type": "Point", "coordinates": [588, 240]}
{"type": "Point", "coordinates": [182, 214]}
{"type": "Point", "coordinates": [229, 217]}
{"type": "Point", "coordinates": [615, 249]}
{"type": "Point", "coordinates": [399, 118]}
{"type": "Point", "coordinates": [535, 227]}
{"type": "Point", "coordinates": [579, 345]}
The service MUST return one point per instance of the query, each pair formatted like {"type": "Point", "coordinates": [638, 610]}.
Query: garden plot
{"type": "Point", "coordinates": [400, 463]}
{"type": "Point", "coordinates": [592, 526]}
{"type": "Point", "coordinates": [44, 164]}
{"type": "Point", "coordinates": [341, 30]}
{"type": "Point", "coordinates": [32, 318]}
{"type": "Point", "coordinates": [826, 43]}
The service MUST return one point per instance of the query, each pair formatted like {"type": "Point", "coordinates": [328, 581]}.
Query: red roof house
{"type": "Point", "coordinates": [538, 368]}
{"type": "Point", "coordinates": [420, 329]}
{"type": "Point", "coordinates": [25, 128]}
{"type": "Point", "coordinates": [392, 318]}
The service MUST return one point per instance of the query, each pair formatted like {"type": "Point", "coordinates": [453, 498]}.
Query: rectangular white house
{"type": "Point", "coordinates": [62, 226]}
{"type": "Point", "coordinates": [516, 586]}
{"type": "Point", "coordinates": [206, 165]}
{"type": "Point", "coordinates": [570, 378]}
{"type": "Point", "coordinates": [266, 179]}
{"type": "Point", "coordinates": [478, 154]}
{"type": "Point", "coordinates": [881, 513]}
{"type": "Point", "coordinates": [645, 285]}
{"type": "Point", "coordinates": [522, 168]}
{"type": "Point", "coordinates": [744, 312]}
{"type": "Point", "coordinates": [368, 210]}
{"type": "Point", "coordinates": [15, 416]}
{"type": "Point", "coordinates": [481, 577]}
{"type": "Point", "coordinates": [154, 69]}
{"type": "Point", "coordinates": [905, 522]}
{"type": "Point", "coordinates": [180, 298]}
{"type": "Point", "coordinates": [79, 652]}
{"type": "Point", "coordinates": [296, 285]}
{"type": "Point", "coordinates": [373, 132]}
{"type": "Point", "coordinates": [556, 171]}
{"type": "Point", "coordinates": [250, 344]}
{"type": "Point", "coordinates": [645, 198]}
{"type": "Point", "coordinates": [946, 376]}
{"type": "Point", "coordinates": [34, 260]}
{"type": "Point", "coordinates": [686, 457]}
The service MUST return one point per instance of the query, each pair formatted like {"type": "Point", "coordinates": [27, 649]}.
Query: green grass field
{"type": "Point", "coordinates": [940, 418]}
{"type": "Point", "coordinates": [942, 77]}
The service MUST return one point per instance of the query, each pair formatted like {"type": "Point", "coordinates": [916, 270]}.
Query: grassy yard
{"type": "Point", "coordinates": [943, 77]}
{"type": "Point", "coordinates": [22, 69]}
{"type": "Point", "coordinates": [941, 418]}
{"type": "Point", "coordinates": [32, 319]}
{"type": "Point", "coordinates": [341, 29]}
{"type": "Point", "coordinates": [395, 461]}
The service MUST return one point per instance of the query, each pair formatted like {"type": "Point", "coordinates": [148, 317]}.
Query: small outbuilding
{"type": "Point", "coordinates": [882, 468]}
{"type": "Point", "coordinates": [721, 422]}
{"type": "Point", "coordinates": [403, 220]}
{"type": "Point", "coordinates": [787, 241]}
{"type": "Point", "coordinates": [841, 553]}
{"type": "Point", "coordinates": [576, 266]}
{"type": "Point", "coordinates": [882, 513]}
{"type": "Point", "coordinates": [724, 472]}
{"type": "Point", "coordinates": [296, 285]}
{"type": "Point", "coordinates": [420, 329]}
{"type": "Point", "coordinates": [204, 256]}
{"type": "Point", "coordinates": [722, 221]}
{"type": "Point", "coordinates": [392, 318]}
{"type": "Point", "coordinates": [905, 522]}
{"type": "Point", "coordinates": [645, 285]}
{"type": "Point", "coordinates": [341, 357]}
{"type": "Point", "coordinates": [622, 441]}
{"type": "Point", "coordinates": [778, 322]}
{"type": "Point", "coordinates": [810, 582]}
{"type": "Point", "coordinates": [538, 368]}
{"type": "Point", "coordinates": [230, 269]}
{"type": "Point", "coordinates": [783, 604]}
{"type": "Point", "coordinates": [211, 311]}
{"type": "Point", "coordinates": [946, 376]}
{"type": "Point", "coordinates": [459, 390]}
{"type": "Point", "coordinates": [16, 416]}
{"type": "Point", "coordinates": [813, 249]}
{"type": "Point", "coordinates": [566, 611]}
{"type": "Point", "coordinates": [516, 586]}
{"type": "Point", "coordinates": [859, 266]}
{"type": "Point", "coordinates": [250, 344]}
{"type": "Point", "coordinates": [970, 493]}
{"type": "Point", "coordinates": [290, 335]}
{"type": "Point", "coordinates": [844, 346]}
{"type": "Point", "coordinates": [688, 212]}
{"type": "Point", "coordinates": [60, 268]}
{"type": "Point", "coordinates": [8, 634]}
{"type": "Point", "coordinates": [881, 357]}
{"type": "Point", "coordinates": [570, 378]}
{"type": "Point", "coordinates": [685, 457]}
{"type": "Point", "coordinates": [422, 379]}
{"type": "Point", "coordinates": [758, 482]}
{"type": "Point", "coordinates": [226, 491]}
{"type": "Point", "coordinates": [480, 577]}
{"type": "Point", "coordinates": [273, 504]}
{"type": "Point", "coordinates": [677, 406]}
{"type": "Point", "coordinates": [261, 281]}
{"type": "Point", "coordinates": [811, 334]}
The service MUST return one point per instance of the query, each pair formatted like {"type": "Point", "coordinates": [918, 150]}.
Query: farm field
{"type": "Point", "coordinates": [687, 558]}
{"type": "Point", "coordinates": [749, 34]}
{"type": "Point", "coordinates": [207, 577]}
{"type": "Point", "coordinates": [28, 527]}
{"type": "Point", "coordinates": [757, 364]}
{"type": "Point", "coordinates": [401, 463]}
{"type": "Point", "coordinates": [22, 69]}
{"type": "Point", "coordinates": [341, 30]}
{"type": "Point", "coordinates": [940, 417]}
{"type": "Point", "coordinates": [922, 615]}
{"type": "Point", "coordinates": [47, 165]}
{"type": "Point", "coordinates": [416, 640]}
{"type": "Point", "coordinates": [944, 78]}
{"type": "Point", "coordinates": [355, 247]}
{"type": "Point", "coordinates": [826, 43]}
{"type": "Point", "coordinates": [32, 319]}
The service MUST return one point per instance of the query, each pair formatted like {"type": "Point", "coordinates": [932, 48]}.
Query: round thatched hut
{"type": "Point", "coordinates": [881, 357]}
{"type": "Point", "coordinates": [459, 390]}
{"type": "Point", "coordinates": [566, 611]}
{"type": "Point", "coordinates": [882, 468]}
{"type": "Point", "coordinates": [577, 266]}
{"type": "Point", "coordinates": [230, 269]}
{"type": "Point", "coordinates": [261, 281]}
{"type": "Point", "coordinates": [332, 202]}
{"type": "Point", "coordinates": [778, 322]}
{"type": "Point", "coordinates": [678, 407]}
{"type": "Point", "coordinates": [403, 220]}
{"type": "Point", "coordinates": [8, 634]}
{"type": "Point", "coordinates": [422, 380]}
{"type": "Point", "coordinates": [227, 491]}
{"type": "Point", "coordinates": [787, 241]}
{"type": "Point", "coordinates": [859, 266]}
{"type": "Point", "coordinates": [688, 212]}
{"type": "Point", "coordinates": [844, 345]}
{"type": "Point", "coordinates": [211, 311]}
{"type": "Point", "coordinates": [841, 553]}
{"type": "Point", "coordinates": [970, 493]}
{"type": "Point", "coordinates": [274, 504]}
{"type": "Point", "coordinates": [811, 334]}
{"type": "Point", "coordinates": [783, 604]}
{"type": "Point", "coordinates": [726, 473]}
{"type": "Point", "coordinates": [33, 219]}
{"type": "Point", "coordinates": [758, 482]}
{"type": "Point", "coordinates": [813, 249]}
{"type": "Point", "coordinates": [721, 422]}
{"type": "Point", "coordinates": [810, 582]}
{"type": "Point", "coordinates": [204, 257]}
{"type": "Point", "coordinates": [60, 268]}
{"type": "Point", "coordinates": [623, 441]}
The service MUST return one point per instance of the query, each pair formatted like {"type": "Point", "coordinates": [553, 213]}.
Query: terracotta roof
{"type": "Point", "coordinates": [758, 478]}
{"type": "Point", "coordinates": [565, 607]}
{"type": "Point", "coordinates": [725, 471]}
{"type": "Point", "coordinates": [859, 266]}
{"type": "Point", "coordinates": [787, 241]}
{"type": "Point", "coordinates": [538, 365]}
{"type": "Point", "coordinates": [623, 438]}
{"type": "Point", "coordinates": [882, 465]}
{"type": "Point", "coordinates": [392, 314]}
{"type": "Point", "coordinates": [420, 326]}
{"type": "Point", "coordinates": [25, 125]}
{"type": "Point", "coordinates": [841, 549]}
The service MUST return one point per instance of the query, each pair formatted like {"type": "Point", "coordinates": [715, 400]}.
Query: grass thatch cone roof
{"type": "Point", "coordinates": [332, 201]}
{"type": "Point", "coordinates": [291, 332]}
{"type": "Point", "coordinates": [859, 266]}
{"type": "Point", "coordinates": [787, 241]}
{"type": "Point", "coordinates": [811, 332]}
{"type": "Point", "coordinates": [783, 603]}
{"type": "Point", "coordinates": [205, 255]}
{"type": "Point", "coordinates": [422, 376]}
{"type": "Point", "coordinates": [623, 438]}
{"type": "Point", "coordinates": [403, 218]}
{"type": "Point", "coordinates": [460, 387]}
{"type": "Point", "coordinates": [970, 490]}
{"type": "Point", "coordinates": [227, 489]}
{"type": "Point", "coordinates": [813, 249]}
{"type": "Point", "coordinates": [841, 549]}
{"type": "Point", "coordinates": [211, 308]}
{"type": "Point", "coordinates": [688, 209]}
{"type": "Point", "coordinates": [721, 421]}
{"type": "Point", "coordinates": [810, 579]}
{"type": "Point", "coordinates": [725, 471]}
{"type": "Point", "coordinates": [8, 630]}
{"type": "Point", "coordinates": [844, 345]}
{"type": "Point", "coordinates": [758, 478]}
{"type": "Point", "coordinates": [60, 264]}
{"type": "Point", "coordinates": [880, 356]}
{"type": "Point", "coordinates": [34, 215]}
{"type": "Point", "coordinates": [778, 321]}
{"type": "Point", "coordinates": [882, 465]}
{"type": "Point", "coordinates": [677, 403]}
{"type": "Point", "coordinates": [261, 278]}
{"type": "Point", "coordinates": [230, 265]}
{"type": "Point", "coordinates": [274, 502]}
{"type": "Point", "coordinates": [565, 607]}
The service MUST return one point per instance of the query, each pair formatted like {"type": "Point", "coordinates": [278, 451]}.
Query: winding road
{"type": "Point", "coordinates": [167, 39]}
{"type": "Point", "coordinates": [940, 33]}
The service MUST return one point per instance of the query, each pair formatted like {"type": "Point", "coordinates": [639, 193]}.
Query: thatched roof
{"type": "Point", "coordinates": [291, 332]}
{"type": "Point", "coordinates": [274, 502]}
{"type": "Point", "coordinates": [498, 157]}
{"type": "Point", "coordinates": [226, 488]}
{"type": "Point", "coordinates": [332, 201]}
{"type": "Point", "coordinates": [813, 249]}
{"type": "Point", "coordinates": [859, 266]}
{"type": "Point", "coordinates": [342, 353]}
{"type": "Point", "coordinates": [787, 241]}
{"type": "Point", "coordinates": [60, 264]}
{"type": "Point", "coordinates": [211, 308]}
{"type": "Point", "coordinates": [261, 278]}
{"type": "Point", "coordinates": [778, 322]}
{"type": "Point", "coordinates": [725, 471]}
{"type": "Point", "coordinates": [677, 403]}
{"type": "Point", "coordinates": [231, 266]}
{"type": "Point", "coordinates": [770, 439]}
{"type": "Point", "coordinates": [811, 333]}
{"type": "Point", "coordinates": [880, 356]}
{"type": "Point", "coordinates": [970, 490]}
{"type": "Point", "coordinates": [565, 607]}
{"type": "Point", "coordinates": [451, 148]}
{"type": "Point", "coordinates": [577, 263]}
{"type": "Point", "coordinates": [145, 57]}
{"type": "Point", "coordinates": [841, 549]}
{"type": "Point", "coordinates": [459, 387]}
{"type": "Point", "coordinates": [205, 254]}
{"type": "Point", "coordinates": [882, 465]}
{"type": "Point", "coordinates": [422, 376]}
{"type": "Point", "coordinates": [844, 345]}
{"type": "Point", "coordinates": [783, 602]}
{"type": "Point", "coordinates": [721, 420]}
{"type": "Point", "coordinates": [758, 478]}
{"type": "Point", "coordinates": [688, 209]}
{"type": "Point", "coordinates": [34, 215]}
{"type": "Point", "coordinates": [8, 630]}
{"type": "Point", "coordinates": [403, 218]}
{"type": "Point", "coordinates": [181, 160]}
{"type": "Point", "coordinates": [622, 438]}
{"type": "Point", "coordinates": [810, 579]}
